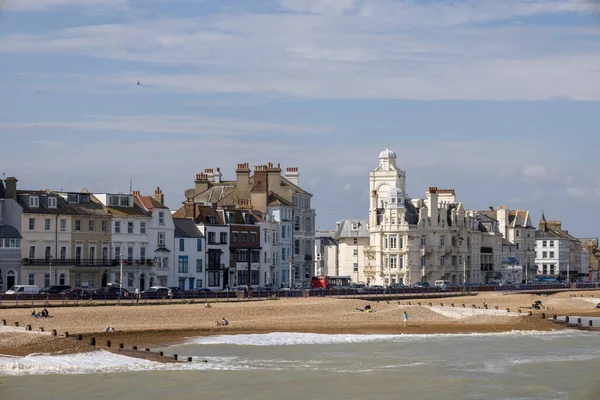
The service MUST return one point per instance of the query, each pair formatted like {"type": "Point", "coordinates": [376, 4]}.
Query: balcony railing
{"type": "Point", "coordinates": [86, 262]}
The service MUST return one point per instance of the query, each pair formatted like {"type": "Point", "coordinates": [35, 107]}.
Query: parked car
{"type": "Point", "coordinates": [421, 285]}
{"type": "Point", "coordinates": [77, 293]}
{"type": "Point", "coordinates": [203, 290]}
{"type": "Point", "coordinates": [112, 292]}
{"type": "Point", "coordinates": [54, 289]}
{"type": "Point", "coordinates": [156, 291]}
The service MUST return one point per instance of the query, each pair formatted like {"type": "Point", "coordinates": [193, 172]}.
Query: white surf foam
{"type": "Point", "coordinates": [294, 339]}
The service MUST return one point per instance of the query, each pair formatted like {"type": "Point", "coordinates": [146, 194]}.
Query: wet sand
{"type": "Point", "coordinates": [158, 325]}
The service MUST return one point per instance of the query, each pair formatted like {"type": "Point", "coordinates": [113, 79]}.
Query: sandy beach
{"type": "Point", "coordinates": [156, 325]}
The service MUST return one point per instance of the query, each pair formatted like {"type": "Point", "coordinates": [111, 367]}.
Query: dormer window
{"type": "Point", "coordinates": [73, 198]}
{"type": "Point", "coordinates": [34, 201]}
{"type": "Point", "coordinates": [124, 202]}
{"type": "Point", "coordinates": [161, 217]}
{"type": "Point", "coordinates": [52, 201]}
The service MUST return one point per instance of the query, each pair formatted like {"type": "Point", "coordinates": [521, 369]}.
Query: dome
{"type": "Point", "coordinates": [387, 153]}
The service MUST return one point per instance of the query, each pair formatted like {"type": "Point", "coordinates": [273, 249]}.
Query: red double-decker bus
{"type": "Point", "coordinates": [329, 282]}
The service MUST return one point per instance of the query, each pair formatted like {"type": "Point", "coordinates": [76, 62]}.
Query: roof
{"type": "Point", "coordinates": [286, 182]}
{"type": "Point", "coordinates": [507, 243]}
{"type": "Point", "coordinates": [2, 193]}
{"type": "Point", "coordinates": [344, 229]}
{"type": "Point", "coordinates": [62, 206]}
{"type": "Point", "coordinates": [149, 202]}
{"type": "Point", "coordinates": [276, 200]}
{"type": "Point", "coordinates": [199, 214]}
{"type": "Point", "coordinates": [186, 228]}
{"type": "Point", "coordinates": [9, 232]}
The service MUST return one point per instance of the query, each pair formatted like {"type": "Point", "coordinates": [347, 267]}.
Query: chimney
{"type": "Point", "coordinates": [490, 208]}
{"type": "Point", "coordinates": [201, 183]}
{"type": "Point", "coordinates": [432, 204]}
{"type": "Point", "coordinates": [260, 188]}
{"type": "Point", "coordinates": [274, 177]}
{"type": "Point", "coordinates": [217, 176]}
{"type": "Point", "coordinates": [159, 196]}
{"type": "Point", "coordinates": [210, 174]}
{"type": "Point", "coordinates": [10, 188]}
{"type": "Point", "coordinates": [242, 177]}
{"type": "Point", "coordinates": [135, 193]}
{"type": "Point", "coordinates": [292, 175]}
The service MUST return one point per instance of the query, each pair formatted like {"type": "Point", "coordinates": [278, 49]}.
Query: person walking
{"type": "Point", "coordinates": [137, 295]}
{"type": "Point", "coordinates": [170, 294]}
{"type": "Point", "coordinates": [405, 316]}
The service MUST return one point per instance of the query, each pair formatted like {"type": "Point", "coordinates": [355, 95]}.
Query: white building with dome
{"type": "Point", "coordinates": [413, 240]}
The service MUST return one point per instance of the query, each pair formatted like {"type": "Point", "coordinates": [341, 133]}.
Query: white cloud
{"type": "Point", "coordinates": [183, 124]}
{"type": "Point", "coordinates": [382, 49]}
{"type": "Point", "coordinates": [46, 5]}
{"type": "Point", "coordinates": [535, 173]}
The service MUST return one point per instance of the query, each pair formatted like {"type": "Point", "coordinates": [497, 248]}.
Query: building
{"type": "Point", "coordinates": [87, 254]}
{"type": "Point", "coordinates": [130, 243]}
{"type": "Point", "coordinates": [558, 253]}
{"type": "Point", "coordinates": [10, 236]}
{"type": "Point", "coordinates": [590, 245]}
{"type": "Point", "coordinates": [267, 191]}
{"type": "Point", "coordinates": [326, 253]}
{"type": "Point", "coordinates": [211, 222]}
{"type": "Point", "coordinates": [515, 227]}
{"type": "Point", "coordinates": [412, 240]}
{"type": "Point", "coordinates": [157, 246]}
{"type": "Point", "coordinates": [46, 227]}
{"type": "Point", "coordinates": [189, 254]}
{"type": "Point", "coordinates": [269, 244]}
{"type": "Point", "coordinates": [352, 236]}
{"type": "Point", "coordinates": [244, 248]}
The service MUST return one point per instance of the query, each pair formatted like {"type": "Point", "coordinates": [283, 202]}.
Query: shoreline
{"type": "Point", "coordinates": [162, 326]}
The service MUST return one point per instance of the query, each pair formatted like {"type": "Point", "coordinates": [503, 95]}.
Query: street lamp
{"type": "Point", "coordinates": [50, 270]}
{"type": "Point", "coordinates": [121, 274]}
{"type": "Point", "coordinates": [290, 258]}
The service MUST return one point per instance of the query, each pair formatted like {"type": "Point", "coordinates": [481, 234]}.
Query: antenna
{"type": "Point", "coordinates": [130, 186]}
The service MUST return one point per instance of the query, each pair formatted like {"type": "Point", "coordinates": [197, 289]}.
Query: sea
{"type": "Point", "coordinates": [294, 366]}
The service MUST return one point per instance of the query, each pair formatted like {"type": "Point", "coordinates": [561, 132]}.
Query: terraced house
{"type": "Point", "coordinates": [10, 236]}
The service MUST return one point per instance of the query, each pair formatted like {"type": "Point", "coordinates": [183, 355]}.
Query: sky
{"type": "Point", "coordinates": [497, 99]}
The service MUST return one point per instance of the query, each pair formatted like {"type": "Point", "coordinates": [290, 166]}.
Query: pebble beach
{"type": "Point", "coordinates": [157, 325]}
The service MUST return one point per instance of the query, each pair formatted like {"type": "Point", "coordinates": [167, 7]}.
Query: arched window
{"type": "Point", "coordinates": [61, 279]}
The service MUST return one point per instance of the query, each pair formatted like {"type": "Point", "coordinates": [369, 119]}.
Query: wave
{"type": "Point", "coordinates": [295, 339]}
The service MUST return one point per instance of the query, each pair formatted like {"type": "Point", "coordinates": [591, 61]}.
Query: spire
{"type": "Point", "coordinates": [542, 226]}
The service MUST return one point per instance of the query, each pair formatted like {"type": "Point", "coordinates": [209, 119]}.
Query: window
{"type": "Point", "coordinates": [130, 227]}
{"type": "Point", "coordinates": [78, 279]}
{"type": "Point", "coordinates": [124, 201]}
{"type": "Point", "coordinates": [354, 253]}
{"type": "Point", "coordinates": [442, 261]}
{"type": "Point", "coordinates": [91, 226]}
{"type": "Point", "coordinates": [355, 226]}
{"type": "Point", "coordinates": [63, 253]}
{"type": "Point", "coordinates": [1, 209]}
{"type": "Point", "coordinates": [78, 255]}
{"type": "Point", "coordinates": [234, 237]}
{"type": "Point", "coordinates": [544, 254]}
{"type": "Point", "coordinates": [400, 262]}
{"type": "Point", "coordinates": [211, 237]}
{"type": "Point", "coordinates": [34, 201]}
{"type": "Point", "coordinates": [355, 240]}
{"type": "Point", "coordinates": [104, 226]}
{"type": "Point", "coordinates": [552, 243]}
{"type": "Point", "coordinates": [266, 257]}
{"type": "Point", "coordinates": [244, 237]}
{"type": "Point", "coordinates": [47, 253]}
{"type": "Point", "coordinates": [142, 227]}
{"type": "Point", "coordinates": [46, 279]}
{"type": "Point", "coordinates": [161, 238]}
{"type": "Point", "coordinates": [198, 244]}
{"type": "Point", "coordinates": [296, 246]}
{"type": "Point", "coordinates": [442, 240]}
{"type": "Point", "coordinates": [198, 265]}
{"type": "Point", "coordinates": [224, 237]}
{"type": "Point", "coordinates": [117, 227]}
{"type": "Point", "coordinates": [423, 261]}
{"type": "Point", "coordinates": [551, 254]}
{"type": "Point", "coordinates": [181, 244]}
{"type": "Point", "coordinates": [92, 254]}
{"type": "Point", "coordinates": [104, 254]}
{"type": "Point", "coordinates": [183, 264]}
{"type": "Point", "coordinates": [552, 267]}
{"type": "Point", "coordinates": [63, 225]}
{"type": "Point", "coordinates": [161, 217]}
{"type": "Point", "coordinates": [517, 232]}
{"type": "Point", "coordinates": [252, 237]}
{"type": "Point", "coordinates": [31, 252]}
{"type": "Point", "coordinates": [355, 267]}
{"type": "Point", "coordinates": [118, 252]}
{"type": "Point", "coordinates": [130, 254]}
{"type": "Point", "coordinates": [130, 279]}
{"type": "Point", "coordinates": [142, 254]}
{"type": "Point", "coordinates": [199, 283]}
{"type": "Point", "coordinates": [544, 243]}
{"type": "Point", "coordinates": [91, 279]}
{"type": "Point", "coordinates": [393, 262]}
{"type": "Point", "coordinates": [78, 225]}
{"type": "Point", "coordinates": [423, 240]}
{"type": "Point", "coordinates": [393, 242]}
{"type": "Point", "coordinates": [242, 256]}
{"type": "Point", "coordinates": [517, 246]}
{"type": "Point", "coordinates": [255, 256]}
{"type": "Point", "coordinates": [283, 232]}
{"type": "Point", "coordinates": [32, 224]}
{"type": "Point", "coordinates": [47, 224]}
{"type": "Point", "coordinates": [31, 279]}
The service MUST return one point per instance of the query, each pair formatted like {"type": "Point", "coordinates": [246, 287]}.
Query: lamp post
{"type": "Point", "coordinates": [120, 274]}
{"type": "Point", "coordinates": [290, 258]}
{"type": "Point", "coordinates": [50, 270]}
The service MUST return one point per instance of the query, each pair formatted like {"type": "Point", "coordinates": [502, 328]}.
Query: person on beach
{"type": "Point", "coordinates": [170, 294]}
{"type": "Point", "coordinates": [223, 322]}
{"type": "Point", "coordinates": [34, 315]}
{"type": "Point", "coordinates": [137, 295]}
{"type": "Point", "coordinates": [207, 305]}
{"type": "Point", "coordinates": [405, 316]}
{"type": "Point", "coordinates": [45, 313]}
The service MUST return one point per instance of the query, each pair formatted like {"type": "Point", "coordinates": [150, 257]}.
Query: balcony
{"type": "Point", "coordinates": [85, 262]}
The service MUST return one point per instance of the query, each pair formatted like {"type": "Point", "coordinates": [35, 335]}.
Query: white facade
{"type": "Point", "coordinates": [130, 242]}
{"type": "Point", "coordinates": [303, 239]}
{"type": "Point", "coordinates": [269, 242]}
{"type": "Point", "coordinates": [552, 256]}
{"type": "Point", "coordinates": [189, 255]}
{"type": "Point", "coordinates": [161, 232]}
{"type": "Point", "coordinates": [352, 236]}
{"type": "Point", "coordinates": [10, 236]}
{"type": "Point", "coordinates": [326, 253]}
{"type": "Point", "coordinates": [283, 215]}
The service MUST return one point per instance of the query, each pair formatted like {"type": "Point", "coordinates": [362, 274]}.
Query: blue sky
{"type": "Point", "coordinates": [498, 99]}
